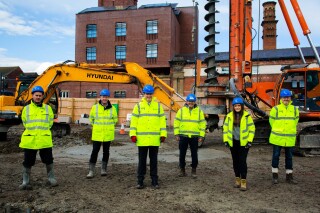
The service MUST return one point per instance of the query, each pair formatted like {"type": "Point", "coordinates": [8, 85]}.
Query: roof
{"type": "Point", "coordinates": [8, 70]}
{"type": "Point", "coordinates": [264, 55]}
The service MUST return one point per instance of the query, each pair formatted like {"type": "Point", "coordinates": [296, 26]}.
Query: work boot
{"type": "Point", "coordinates": [91, 170]}
{"type": "Point", "coordinates": [182, 172]}
{"type": "Point", "coordinates": [140, 185]}
{"type": "Point", "coordinates": [289, 179]}
{"type": "Point", "coordinates": [275, 178]}
{"type": "Point", "coordinates": [104, 168]}
{"type": "Point", "coordinates": [155, 183]}
{"type": "Point", "coordinates": [237, 183]}
{"type": "Point", "coordinates": [25, 179]}
{"type": "Point", "coordinates": [194, 172]}
{"type": "Point", "coordinates": [243, 185]}
{"type": "Point", "coordinates": [52, 180]}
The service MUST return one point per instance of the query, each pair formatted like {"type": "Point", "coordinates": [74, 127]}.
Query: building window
{"type": "Point", "coordinates": [91, 54]}
{"type": "Point", "coordinates": [152, 27]}
{"type": "Point", "coordinates": [121, 29]}
{"type": "Point", "coordinates": [64, 94]}
{"type": "Point", "coordinates": [152, 50]}
{"type": "Point", "coordinates": [120, 94]}
{"type": "Point", "coordinates": [121, 52]}
{"type": "Point", "coordinates": [91, 94]}
{"type": "Point", "coordinates": [91, 31]}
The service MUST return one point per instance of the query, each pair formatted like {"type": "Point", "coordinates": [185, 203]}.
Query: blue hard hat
{"type": "Point", "coordinates": [148, 89]}
{"type": "Point", "coordinates": [191, 98]}
{"type": "Point", "coordinates": [237, 100]}
{"type": "Point", "coordinates": [105, 92]}
{"type": "Point", "coordinates": [37, 89]}
{"type": "Point", "coordinates": [285, 93]}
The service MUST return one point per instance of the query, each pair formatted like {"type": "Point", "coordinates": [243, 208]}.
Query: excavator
{"type": "Point", "coordinates": [301, 79]}
{"type": "Point", "coordinates": [69, 71]}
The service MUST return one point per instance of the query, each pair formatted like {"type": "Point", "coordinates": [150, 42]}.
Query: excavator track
{"type": "Point", "coordinates": [308, 138]}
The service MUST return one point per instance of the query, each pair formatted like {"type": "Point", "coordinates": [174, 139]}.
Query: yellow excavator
{"type": "Point", "coordinates": [69, 71]}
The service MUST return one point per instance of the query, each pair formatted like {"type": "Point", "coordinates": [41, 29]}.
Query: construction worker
{"type": "Point", "coordinates": [148, 130]}
{"type": "Point", "coordinates": [103, 118]}
{"type": "Point", "coordinates": [37, 119]}
{"type": "Point", "coordinates": [238, 134]}
{"type": "Point", "coordinates": [283, 120]}
{"type": "Point", "coordinates": [189, 130]}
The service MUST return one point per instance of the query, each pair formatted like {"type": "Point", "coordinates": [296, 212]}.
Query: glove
{"type": "Point", "coordinates": [134, 139]}
{"type": "Point", "coordinates": [227, 144]}
{"type": "Point", "coordinates": [249, 144]}
{"type": "Point", "coordinates": [162, 139]}
{"type": "Point", "coordinates": [200, 139]}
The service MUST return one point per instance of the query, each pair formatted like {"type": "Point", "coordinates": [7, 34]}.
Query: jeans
{"type": "Point", "coordinates": [183, 147]}
{"type": "Point", "coordinates": [239, 159]}
{"type": "Point", "coordinates": [31, 154]}
{"type": "Point", "coordinates": [276, 156]}
{"type": "Point", "coordinates": [95, 151]}
{"type": "Point", "coordinates": [142, 165]}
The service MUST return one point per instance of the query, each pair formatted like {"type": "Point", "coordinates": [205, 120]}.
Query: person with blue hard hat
{"type": "Point", "coordinates": [238, 134]}
{"type": "Point", "coordinates": [148, 130]}
{"type": "Point", "coordinates": [283, 120]}
{"type": "Point", "coordinates": [37, 119]}
{"type": "Point", "coordinates": [189, 129]}
{"type": "Point", "coordinates": [103, 118]}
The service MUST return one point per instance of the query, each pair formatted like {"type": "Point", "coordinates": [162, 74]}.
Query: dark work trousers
{"type": "Point", "coordinates": [31, 154]}
{"type": "Point", "coordinates": [288, 156]}
{"type": "Point", "coordinates": [183, 147]}
{"type": "Point", "coordinates": [239, 158]}
{"type": "Point", "coordinates": [142, 165]}
{"type": "Point", "coordinates": [95, 151]}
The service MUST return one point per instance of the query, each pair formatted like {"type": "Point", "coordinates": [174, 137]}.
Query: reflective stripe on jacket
{"type": "Point", "coordinates": [247, 129]}
{"type": "Point", "coordinates": [37, 121]}
{"type": "Point", "coordinates": [283, 121]}
{"type": "Point", "coordinates": [103, 122]}
{"type": "Point", "coordinates": [148, 123]}
{"type": "Point", "coordinates": [189, 122]}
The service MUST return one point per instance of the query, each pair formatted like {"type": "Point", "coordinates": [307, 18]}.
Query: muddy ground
{"type": "Point", "coordinates": [212, 191]}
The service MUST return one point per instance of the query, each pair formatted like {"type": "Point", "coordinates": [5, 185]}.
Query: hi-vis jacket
{"type": "Point", "coordinates": [283, 121]}
{"type": "Point", "coordinates": [247, 129]}
{"type": "Point", "coordinates": [37, 121]}
{"type": "Point", "coordinates": [103, 122]}
{"type": "Point", "coordinates": [189, 122]}
{"type": "Point", "coordinates": [148, 123]}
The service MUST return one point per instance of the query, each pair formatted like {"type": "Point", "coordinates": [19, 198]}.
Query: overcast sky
{"type": "Point", "coordinates": [37, 33]}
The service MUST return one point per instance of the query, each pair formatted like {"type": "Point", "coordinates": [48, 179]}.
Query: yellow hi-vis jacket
{"type": "Point", "coordinates": [189, 122]}
{"type": "Point", "coordinates": [283, 121]}
{"type": "Point", "coordinates": [103, 122]}
{"type": "Point", "coordinates": [247, 129]}
{"type": "Point", "coordinates": [37, 121]}
{"type": "Point", "coordinates": [148, 123]}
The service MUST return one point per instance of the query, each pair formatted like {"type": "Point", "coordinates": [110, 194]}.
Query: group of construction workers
{"type": "Point", "coordinates": [148, 131]}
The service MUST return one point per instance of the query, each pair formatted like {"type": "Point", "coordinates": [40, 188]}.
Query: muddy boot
{"type": "Point", "coordinates": [194, 173]}
{"type": "Point", "coordinates": [237, 183]}
{"type": "Point", "coordinates": [289, 179]}
{"type": "Point", "coordinates": [182, 172]}
{"type": "Point", "coordinates": [91, 170]}
{"type": "Point", "coordinates": [243, 185]}
{"type": "Point", "coordinates": [274, 178]}
{"type": "Point", "coordinates": [104, 168]}
{"type": "Point", "coordinates": [52, 180]}
{"type": "Point", "coordinates": [155, 183]}
{"type": "Point", "coordinates": [140, 185]}
{"type": "Point", "coordinates": [25, 179]}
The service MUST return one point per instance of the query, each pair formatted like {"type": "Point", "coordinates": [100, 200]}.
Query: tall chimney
{"type": "Point", "coordinates": [117, 3]}
{"type": "Point", "coordinates": [269, 25]}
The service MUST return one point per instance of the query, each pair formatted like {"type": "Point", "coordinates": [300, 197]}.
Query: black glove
{"type": "Point", "coordinates": [227, 144]}
{"type": "Point", "coordinates": [249, 144]}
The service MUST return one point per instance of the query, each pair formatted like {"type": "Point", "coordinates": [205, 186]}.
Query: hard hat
{"type": "Point", "coordinates": [105, 92]}
{"type": "Point", "coordinates": [237, 100]}
{"type": "Point", "coordinates": [37, 89]}
{"type": "Point", "coordinates": [285, 93]}
{"type": "Point", "coordinates": [191, 98]}
{"type": "Point", "coordinates": [148, 89]}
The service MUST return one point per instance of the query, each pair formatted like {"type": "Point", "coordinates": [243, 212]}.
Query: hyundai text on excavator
{"type": "Point", "coordinates": [11, 106]}
{"type": "Point", "coordinates": [302, 80]}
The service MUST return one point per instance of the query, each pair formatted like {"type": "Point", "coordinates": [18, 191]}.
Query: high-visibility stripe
{"type": "Point", "coordinates": [280, 134]}
{"type": "Point", "coordinates": [190, 132]}
{"type": "Point", "coordinates": [37, 127]}
{"type": "Point", "coordinates": [148, 133]}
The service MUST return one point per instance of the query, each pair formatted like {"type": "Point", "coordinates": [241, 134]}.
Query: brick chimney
{"type": "Point", "coordinates": [117, 3]}
{"type": "Point", "coordinates": [269, 25]}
